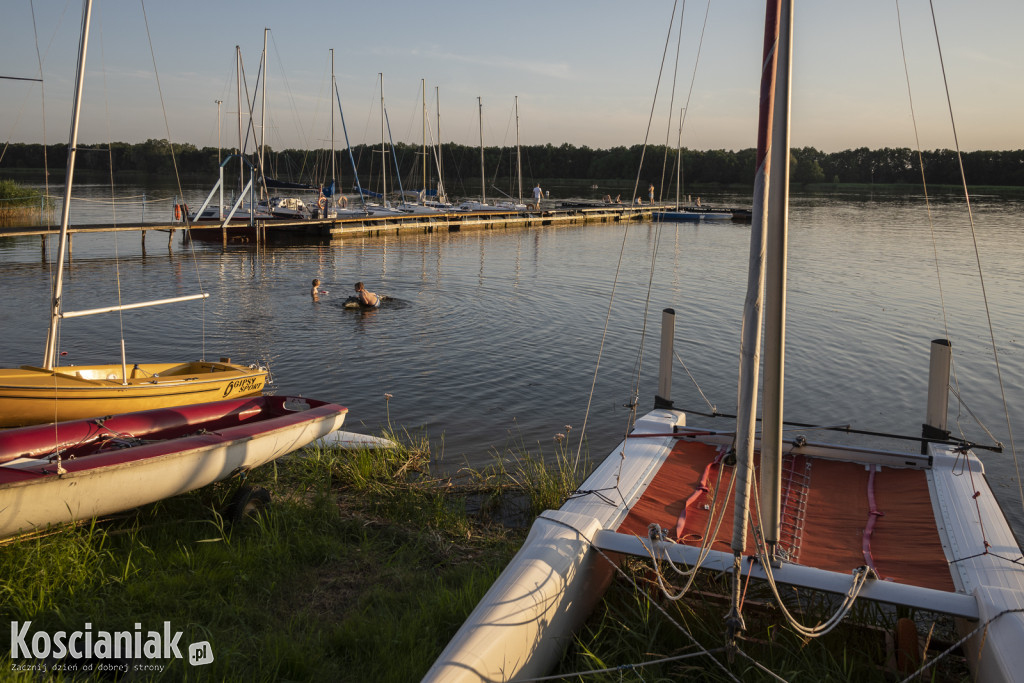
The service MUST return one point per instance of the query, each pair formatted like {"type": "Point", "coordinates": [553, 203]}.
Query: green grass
{"type": "Point", "coordinates": [362, 569]}
{"type": "Point", "coordinates": [20, 204]}
{"type": "Point", "coordinates": [629, 628]}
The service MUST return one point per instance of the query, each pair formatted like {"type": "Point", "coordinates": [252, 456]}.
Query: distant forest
{"type": "Point", "coordinates": [461, 164]}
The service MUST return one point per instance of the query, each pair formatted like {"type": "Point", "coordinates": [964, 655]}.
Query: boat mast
{"type": "Point", "coordinates": [775, 61]}
{"type": "Point", "coordinates": [383, 151]}
{"type": "Point", "coordinates": [50, 355]}
{"type": "Point", "coordinates": [263, 118]}
{"type": "Point", "coordinates": [238, 89]}
{"type": "Point", "coordinates": [483, 180]}
{"type": "Point", "coordinates": [519, 158]}
{"type": "Point", "coordinates": [423, 84]}
{"type": "Point", "coordinates": [440, 157]}
{"type": "Point", "coordinates": [679, 158]}
{"type": "Point", "coordinates": [333, 88]}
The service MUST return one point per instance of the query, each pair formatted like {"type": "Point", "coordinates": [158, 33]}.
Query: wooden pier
{"type": "Point", "coordinates": [338, 228]}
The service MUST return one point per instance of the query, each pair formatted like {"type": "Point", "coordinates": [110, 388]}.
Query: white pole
{"type": "Point", "coordinates": [483, 179]}
{"type": "Point", "coordinates": [333, 89]}
{"type": "Point", "coordinates": [937, 411]}
{"type": "Point", "coordinates": [519, 158]}
{"type": "Point", "coordinates": [668, 332]}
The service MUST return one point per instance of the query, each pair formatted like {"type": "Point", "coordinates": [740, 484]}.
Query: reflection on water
{"type": "Point", "coordinates": [492, 340]}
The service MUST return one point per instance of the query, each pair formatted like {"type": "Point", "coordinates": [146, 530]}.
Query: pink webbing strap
{"type": "Point", "coordinates": [873, 515]}
{"type": "Point", "coordinates": [699, 490]}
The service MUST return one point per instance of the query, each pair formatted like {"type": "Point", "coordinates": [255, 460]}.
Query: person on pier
{"type": "Point", "coordinates": [537, 194]}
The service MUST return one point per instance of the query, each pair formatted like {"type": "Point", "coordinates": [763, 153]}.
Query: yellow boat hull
{"type": "Point", "coordinates": [30, 395]}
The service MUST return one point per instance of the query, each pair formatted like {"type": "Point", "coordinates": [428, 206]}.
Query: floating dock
{"type": "Point", "coordinates": [359, 226]}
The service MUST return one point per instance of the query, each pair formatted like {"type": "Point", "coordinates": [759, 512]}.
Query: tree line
{"type": "Point", "coordinates": [461, 169]}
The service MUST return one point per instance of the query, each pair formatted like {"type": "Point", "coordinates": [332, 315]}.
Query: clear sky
{"type": "Point", "coordinates": [584, 71]}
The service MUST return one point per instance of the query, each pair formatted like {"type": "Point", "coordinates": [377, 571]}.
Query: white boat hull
{"type": "Point", "coordinates": [48, 497]}
{"type": "Point", "coordinates": [520, 627]}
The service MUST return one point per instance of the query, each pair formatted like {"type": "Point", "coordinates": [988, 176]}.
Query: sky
{"type": "Point", "coordinates": [584, 72]}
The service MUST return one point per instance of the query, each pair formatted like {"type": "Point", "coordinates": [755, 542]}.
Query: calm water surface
{"type": "Point", "coordinates": [491, 342]}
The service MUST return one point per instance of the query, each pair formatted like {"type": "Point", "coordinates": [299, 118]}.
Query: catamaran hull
{"type": "Point", "coordinates": [183, 449]}
{"type": "Point", "coordinates": [35, 396]}
{"type": "Point", "coordinates": [521, 625]}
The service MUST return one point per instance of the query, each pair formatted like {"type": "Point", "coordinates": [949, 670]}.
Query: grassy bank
{"type": "Point", "coordinates": [361, 569]}
{"type": "Point", "coordinates": [20, 205]}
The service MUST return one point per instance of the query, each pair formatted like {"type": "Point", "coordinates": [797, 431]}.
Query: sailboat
{"type": "Point", "coordinates": [904, 529]}
{"type": "Point", "coordinates": [52, 393]}
{"type": "Point", "coordinates": [82, 468]}
{"type": "Point", "coordinates": [474, 206]}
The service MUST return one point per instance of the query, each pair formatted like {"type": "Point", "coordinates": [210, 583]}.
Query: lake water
{"type": "Point", "coordinates": [490, 344]}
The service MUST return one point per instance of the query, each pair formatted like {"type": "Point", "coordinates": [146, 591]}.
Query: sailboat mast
{"type": "Point", "coordinates": [423, 84]}
{"type": "Point", "coordinates": [679, 158]}
{"type": "Point", "coordinates": [519, 157]}
{"type": "Point", "coordinates": [238, 90]}
{"type": "Point", "coordinates": [483, 180]}
{"type": "Point", "coordinates": [383, 151]}
{"type": "Point", "coordinates": [441, 196]}
{"type": "Point", "coordinates": [333, 88]}
{"type": "Point", "coordinates": [750, 343]}
{"type": "Point", "coordinates": [50, 357]}
{"type": "Point", "coordinates": [263, 118]}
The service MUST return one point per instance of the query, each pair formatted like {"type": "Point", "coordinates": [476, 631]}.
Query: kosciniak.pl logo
{"type": "Point", "coordinates": [87, 644]}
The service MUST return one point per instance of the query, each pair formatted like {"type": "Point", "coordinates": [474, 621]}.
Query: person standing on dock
{"type": "Point", "coordinates": [537, 194]}
{"type": "Point", "coordinates": [650, 192]}
{"type": "Point", "coordinates": [365, 296]}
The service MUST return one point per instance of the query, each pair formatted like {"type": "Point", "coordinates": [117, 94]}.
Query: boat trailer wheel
{"type": "Point", "coordinates": [247, 501]}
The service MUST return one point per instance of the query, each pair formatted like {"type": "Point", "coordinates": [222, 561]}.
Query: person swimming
{"type": "Point", "coordinates": [366, 297]}
{"type": "Point", "coordinates": [316, 291]}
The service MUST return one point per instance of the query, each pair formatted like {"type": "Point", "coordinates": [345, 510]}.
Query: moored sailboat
{"type": "Point", "coordinates": [49, 393]}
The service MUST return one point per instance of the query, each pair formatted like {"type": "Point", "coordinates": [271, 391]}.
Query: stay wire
{"type": "Point", "coordinates": [977, 257]}
{"type": "Point", "coordinates": [174, 164]}
{"type": "Point", "coordinates": [112, 203]}
{"type": "Point", "coordinates": [671, 103]}
{"type": "Point", "coordinates": [622, 248]}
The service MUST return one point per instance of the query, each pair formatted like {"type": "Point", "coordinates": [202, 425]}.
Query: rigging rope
{"type": "Point", "coordinates": [977, 253]}
{"type": "Point", "coordinates": [632, 582]}
{"type": "Point", "coordinates": [622, 251]}
{"type": "Point", "coordinates": [113, 205]}
{"type": "Point", "coordinates": [177, 176]}
{"type": "Point", "coordinates": [671, 103]}
{"type": "Point", "coordinates": [714, 409]}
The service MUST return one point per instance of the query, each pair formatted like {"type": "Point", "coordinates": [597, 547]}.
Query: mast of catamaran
{"type": "Point", "coordinates": [519, 158]}
{"type": "Point", "coordinates": [483, 180]}
{"type": "Point", "coordinates": [50, 357]}
{"type": "Point", "coordinates": [767, 234]}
